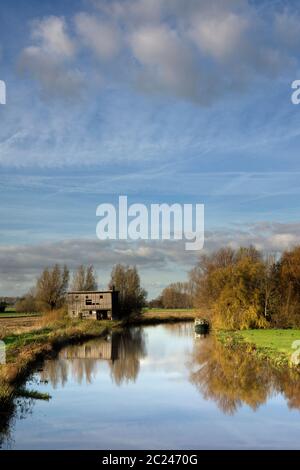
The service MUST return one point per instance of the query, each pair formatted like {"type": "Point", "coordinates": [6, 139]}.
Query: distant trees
{"type": "Point", "coordinates": [84, 279]}
{"type": "Point", "coordinates": [3, 306]}
{"type": "Point", "coordinates": [28, 303]}
{"type": "Point", "coordinates": [51, 287]}
{"type": "Point", "coordinates": [132, 297]}
{"type": "Point", "coordinates": [177, 295]}
{"type": "Point", "coordinates": [155, 303]}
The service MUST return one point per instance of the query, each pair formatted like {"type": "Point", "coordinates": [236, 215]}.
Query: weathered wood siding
{"type": "Point", "coordinates": [93, 304]}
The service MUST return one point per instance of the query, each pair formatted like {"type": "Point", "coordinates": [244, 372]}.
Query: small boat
{"type": "Point", "coordinates": [201, 326]}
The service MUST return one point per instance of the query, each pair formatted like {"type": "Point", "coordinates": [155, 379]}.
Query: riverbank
{"type": "Point", "coordinates": [273, 344]}
{"type": "Point", "coordinates": [25, 348]}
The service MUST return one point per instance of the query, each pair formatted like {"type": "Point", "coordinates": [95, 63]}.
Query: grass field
{"type": "Point", "coordinates": [17, 325]}
{"type": "Point", "coordinates": [11, 313]}
{"type": "Point", "coordinates": [275, 340]}
{"type": "Point", "coordinates": [17, 314]}
{"type": "Point", "coordinates": [274, 344]}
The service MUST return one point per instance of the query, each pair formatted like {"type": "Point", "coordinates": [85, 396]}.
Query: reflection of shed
{"type": "Point", "coordinates": [96, 305]}
{"type": "Point", "coordinates": [104, 348]}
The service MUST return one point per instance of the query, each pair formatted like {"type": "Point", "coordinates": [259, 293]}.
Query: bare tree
{"type": "Point", "coordinates": [51, 287]}
{"type": "Point", "coordinates": [177, 295]}
{"type": "Point", "coordinates": [84, 279]}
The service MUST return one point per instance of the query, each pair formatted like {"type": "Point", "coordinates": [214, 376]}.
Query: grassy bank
{"type": "Point", "coordinates": [23, 350]}
{"type": "Point", "coordinates": [273, 344]}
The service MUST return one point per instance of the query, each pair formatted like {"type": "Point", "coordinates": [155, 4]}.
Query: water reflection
{"type": "Point", "coordinates": [20, 409]}
{"type": "Point", "coordinates": [179, 369]}
{"type": "Point", "coordinates": [233, 375]}
{"type": "Point", "coordinates": [184, 329]}
{"type": "Point", "coordinates": [122, 350]}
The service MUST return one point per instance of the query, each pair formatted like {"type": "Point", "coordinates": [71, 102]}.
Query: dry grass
{"type": "Point", "coordinates": [17, 325]}
{"type": "Point", "coordinates": [52, 317]}
{"type": "Point", "coordinates": [165, 316]}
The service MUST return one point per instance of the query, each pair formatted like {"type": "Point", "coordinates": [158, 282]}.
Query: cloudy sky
{"type": "Point", "coordinates": [184, 101]}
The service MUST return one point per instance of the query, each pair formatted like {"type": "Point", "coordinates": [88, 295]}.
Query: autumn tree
{"type": "Point", "coordinates": [177, 295]}
{"type": "Point", "coordinates": [84, 279]}
{"type": "Point", "coordinates": [229, 286]}
{"type": "Point", "coordinates": [132, 297]}
{"type": "Point", "coordinates": [289, 279]}
{"type": "Point", "coordinates": [51, 287]}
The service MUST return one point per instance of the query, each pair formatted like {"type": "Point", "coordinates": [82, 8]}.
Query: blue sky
{"type": "Point", "coordinates": [163, 101]}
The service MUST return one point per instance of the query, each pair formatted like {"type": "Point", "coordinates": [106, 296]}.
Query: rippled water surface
{"type": "Point", "coordinates": [156, 387]}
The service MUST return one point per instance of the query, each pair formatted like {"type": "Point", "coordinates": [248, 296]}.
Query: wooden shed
{"type": "Point", "coordinates": [96, 305]}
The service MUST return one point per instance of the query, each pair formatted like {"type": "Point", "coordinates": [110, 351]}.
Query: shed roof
{"type": "Point", "coordinates": [91, 291]}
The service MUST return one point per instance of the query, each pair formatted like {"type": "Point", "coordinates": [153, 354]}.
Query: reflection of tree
{"type": "Point", "coordinates": [289, 385]}
{"type": "Point", "coordinates": [129, 347]}
{"type": "Point", "coordinates": [232, 375]}
{"type": "Point", "coordinates": [182, 329]}
{"type": "Point", "coordinates": [122, 350]}
{"type": "Point", "coordinates": [18, 409]}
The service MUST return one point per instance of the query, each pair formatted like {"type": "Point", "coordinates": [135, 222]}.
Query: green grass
{"type": "Point", "coordinates": [11, 313]}
{"type": "Point", "coordinates": [274, 344]}
{"type": "Point", "coordinates": [23, 339]}
{"type": "Point", "coordinates": [25, 393]}
{"type": "Point", "coordinates": [275, 340]}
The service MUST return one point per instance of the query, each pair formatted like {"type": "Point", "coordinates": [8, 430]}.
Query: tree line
{"type": "Point", "coordinates": [50, 290]}
{"type": "Point", "coordinates": [175, 295]}
{"type": "Point", "coordinates": [241, 288]}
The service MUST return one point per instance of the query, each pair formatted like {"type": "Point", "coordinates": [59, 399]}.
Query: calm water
{"type": "Point", "coordinates": [156, 388]}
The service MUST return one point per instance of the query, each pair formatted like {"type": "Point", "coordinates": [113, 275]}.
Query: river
{"type": "Point", "coordinates": [156, 387]}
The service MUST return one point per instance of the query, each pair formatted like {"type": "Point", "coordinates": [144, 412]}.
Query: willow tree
{"type": "Point", "coordinates": [229, 286]}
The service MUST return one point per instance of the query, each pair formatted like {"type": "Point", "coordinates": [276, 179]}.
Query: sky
{"type": "Point", "coordinates": [176, 101]}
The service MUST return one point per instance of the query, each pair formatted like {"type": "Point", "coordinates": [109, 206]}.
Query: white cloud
{"type": "Point", "coordinates": [49, 58]}
{"type": "Point", "coordinates": [219, 35]}
{"type": "Point", "coordinates": [51, 33]}
{"type": "Point", "coordinates": [102, 37]}
{"type": "Point", "coordinates": [198, 51]}
{"type": "Point", "coordinates": [167, 62]}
